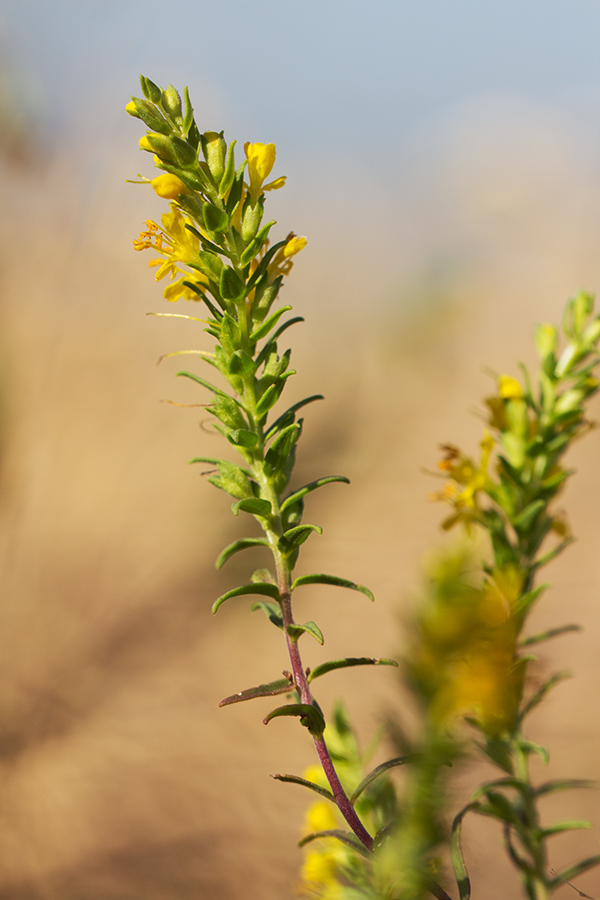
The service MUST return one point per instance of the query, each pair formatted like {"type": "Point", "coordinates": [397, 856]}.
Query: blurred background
{"type": "Point", "coordinates": [443, 160]}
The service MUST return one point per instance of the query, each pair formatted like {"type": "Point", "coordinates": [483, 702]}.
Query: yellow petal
{"type": "Point", "coordinates": [168, 186]}
{"type": "Point", "coordinates": [294, 245]}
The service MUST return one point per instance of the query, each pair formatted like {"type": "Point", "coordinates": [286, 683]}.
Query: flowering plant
{"type": "Point", "coordinates": [467, 666]}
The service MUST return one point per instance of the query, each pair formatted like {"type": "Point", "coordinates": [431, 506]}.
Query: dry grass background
{"type": "Point", "coordinates": [119, 776]}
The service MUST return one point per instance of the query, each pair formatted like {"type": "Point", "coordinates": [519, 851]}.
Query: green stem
{"type": "Point", "coordinates": [536, 883]}
{"type": "Point", "coordinates": [273, 528]}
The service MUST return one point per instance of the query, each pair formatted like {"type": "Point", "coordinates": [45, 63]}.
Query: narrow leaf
{"type": "Point", "coordinates": [546, 635]}
{"type": "Point", "coordinates": [229, 173]}
{"type": "Point", "coordinates": [281, 686]}
{"type": "Point", "coordinates": [524, 519]}
{"type": "Point", "coordinates": [539, 695]}
{"type": "Point", "coordinates": [231, 285]}
{"type": "Point", "coordinates": [379, 770]}
{"type": "Point", "coordinates": [346, 837]}
{"type": "Point", "coordinates": [293, 537]}
{"type": "Point", "coordinates": [532, 747]}
{"type": "Point", "coordinates": [254, 505]}
{"type": "Point", "coordinates": [267, 590]}
{"type": "Point", "coordinates": [295, 631]}
{"type": "Point", "coordinates": [334, 580]}
{"type": "Point", "coordinates": [271, 610]}
{"type": "Point", "coordinates": [287, 418]}
{"type": "Point", "coordinates": [213, 461]}
{"type": "Point", "coordinates": [206, 384]}
{"type": "Point", "coordinates": [348, 663]}
{"type": "Point", "coordinates": [456, 854]}
{"type": "Point", "coordinates": [310, 716]}
{"type": "Point", "coordinates": [242, 437]}
{"type": "Point", "coordinates": [295, 779]}
{"type": "Point", "coordinates": [572, 825]}
{"type": "Point", "coordinates": [301, 492]}
{"type": "Point", "coordinates": [263, 329]}
{"type": "Point", "coordinates": [575, 870]}
{"type": "Point", "coordinates": [565, 784]}
{"type": "Point", "coordinates": [236, 546]}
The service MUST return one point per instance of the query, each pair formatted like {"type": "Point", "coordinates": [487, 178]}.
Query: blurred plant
{"type": "Point", "coordinates": [466, 661]}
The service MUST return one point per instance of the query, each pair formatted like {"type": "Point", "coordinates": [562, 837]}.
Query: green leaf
{"type": "Point", "coordinates": [564, 784]}
{"type": "Point", "coordinates": [211, 460]}
{"type": "Point", "coordinates": [263, 329]}
{"type": "Point", "coordinates": [532, 747]}
{"type": "Point", "coordinates": [456, 854]}
{"type": "Point", "coordinates": [499, 807]}
{"type": "Point", "coordinates": [348, 663]}
{"type": "Point", "coordinates": [308, 488]}
{"type": "Point", "coordinates": [333, 580]}
{"type": "Point", "coordinates": [539, 695]}
{"type": "Point", "coordinates": [233, 480]}
{"type": "Point", "coordinates": [280, 449]}
{"type": "Point", "coordinates": [255, 505]}
{"type": "Point", "coordinates": [523, 520]}
{"type": "Point", "coordinates": [151, 116]}
{"type": "Point", "coordinates": [237, 188]}
{"type": "Point", "coordinates": [228, 411]}
{"type": "Point", "coordinates": [293, 537]}
{"type": "Point", "coordinates": [150, 90]}
{"type": "Point", "coordinates": [269, 398]}
{"type": "Point", "coordinates": [287, 418]}
{"type": "Point", "coordinates": [310, 716]}
{"type": "Point", "coordinates": [547, 635]}
{"type": "Point", "coordinates": [295, 779]}
{"type": "Point", "coordinates": [256, 244]}
{"type": "Point", "coordinates": [229, 173]}
{"type": "Point", "coordinates": [575, 870]}
{"type": "Point", "coordinates": [560, 827]}
{"type": "Point", "coordinates": [241, 437]}
{"type": "Point", "coordinates": [240, 363]}
{"type": "Point", "coordinates": [188, 116]}
{"type": "Point", "coordinates": [346, 837]}
{"type": "Point", "coordinates": [379, 770]}
{"type": "Point", "coordinates": [215, 219]}
{"type": "Point", "coordinates": [231, 285]}
{"type": "Point", "coordinates": [280, 686]}
{"type": "Point", "coordinates": [295, 631]}
{"type": "Point", "coordinates": [267, 590]}
{"type": "Point", "coordinates": [236, 546]}
{"type": "Point", "coordinates": [271, 610]}
{"type": "Point", "coordinates": [526, 602]}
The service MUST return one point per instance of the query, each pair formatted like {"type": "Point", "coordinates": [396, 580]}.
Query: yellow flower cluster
{"type": "Point", "coordinates": [465, 658]}
{"type": "Point", "coordinates": [466, 481]}
{"type": "Point", "coordinates": [324, 858]}
{"type": "Point", "coordinates": [178, 246]}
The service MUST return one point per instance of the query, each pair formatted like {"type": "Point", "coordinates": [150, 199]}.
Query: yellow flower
{"type": "Point", "coordinates": [168, 186]}
{"type": "Point", "coordinates": [261, 159]}
{"type": "Point", "coordinates": [179, 247]}
{"type": "Point", "coordinates": [469, 476]}
{"type": "Point", "coordinates": [509, 388]}
{"type": "Point", "coordinates": [281, 264]}
{"type": "Point", "coordinates": [321, 817]}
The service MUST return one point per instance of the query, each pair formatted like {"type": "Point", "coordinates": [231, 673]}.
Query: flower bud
{"type": "Point", "coordinates": [131, 109]}
{"type": "Point", "coordinates": [149, 114]}
{"type": "Point", "coordinates": [168, 186]}
{"type": "Point", "coordinates": [251, 218]}
{"type": "Point", "coordinates": [150, 90]}
{"type": "Point", "coordinates": [545, 340]}
{"type": "Point", "coordinates": [171, 102]}
{"type": "Point", "coordinates": [214, 149]}
{"type": "Point", "coordinates": [161, 145]}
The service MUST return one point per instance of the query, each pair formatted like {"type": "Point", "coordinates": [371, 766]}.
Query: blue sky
{"type": "Point", "coordinates": [392, 119]}
{"type": "Point", "coordinates": [343, 73]}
